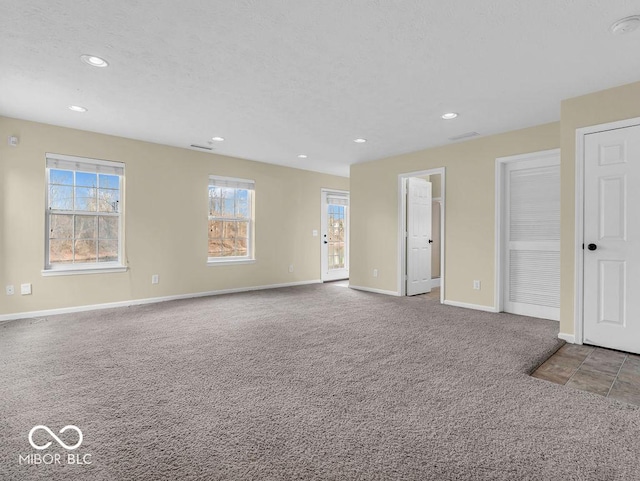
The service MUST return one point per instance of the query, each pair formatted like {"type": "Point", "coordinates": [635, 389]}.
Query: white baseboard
{"type": "Point", "coordinates": [476, 307]}
{"type": "Point", "coordinates": [151, 300]}
{"type": "Point", "coordinates": [570, 338]}
{"type": "Point", "coordinates": [376, 291]}
{"type": "Point", "coordinates": [435, 283]}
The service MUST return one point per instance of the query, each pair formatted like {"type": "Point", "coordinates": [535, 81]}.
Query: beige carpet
{"type": "Point", "coordinates": [317, 382]}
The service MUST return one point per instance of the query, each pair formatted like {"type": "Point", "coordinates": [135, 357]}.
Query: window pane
{"type": "Point", "coordinates": [60, 197]}
{"type": "Point", "coordinates": [86, 227]}
{"type": "Point", "coordinates": [60, 251]}
{"type": "Point", "coordinates": [107, 250]}
{"type": "Point", "coordinates": [85, 179]}
{"type": "Point", "coordinates": [60, 226]}
{"type": "Point", "coordinates": [85, 251]}
{"type": "Point", "coordinates": [86, 199]}
{"type": "Point", "coordinates": [228, 205]}
{"type": "Point", "coordinates": [243, 235]}
{"type": "Point", "coordinates": [230, 230]}
{"type": "Point", "coordinates": [108, 200]}
{"type": "Point", "coordinates": [242, 203]}
{"type": "Point", "coordinates": [109, 181]}
{"type": "Point", "coordinates": [215, 247]}
{"type": "Point", "coordinates": [227, 248]}
{"type": "Point", "coordinates": [215, 205]}
{"type": "Point", "coordinates": [215, 229]}
{"type": "Point", "coordinates": [64, 177]}
{"type": "Point", "coordinates": [108, 227]}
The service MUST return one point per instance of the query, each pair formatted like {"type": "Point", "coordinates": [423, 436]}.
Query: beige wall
{"type": "Point", "coordinates": [469, 211]}
{"type": "Point", "coordinates": [165, 220]}
{"type": "Point", "coordinates": [597, 108]}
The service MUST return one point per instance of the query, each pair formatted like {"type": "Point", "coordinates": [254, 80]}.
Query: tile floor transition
{"type": "Point", "coordinates": [605, 372]}
{"type": "Point", "coordinates": [612, 374]}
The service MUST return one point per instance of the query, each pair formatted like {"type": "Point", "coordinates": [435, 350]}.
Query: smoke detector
{"type": "Point", "coordinates": [625, 25]}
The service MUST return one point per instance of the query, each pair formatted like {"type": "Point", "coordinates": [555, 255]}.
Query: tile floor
{"type": "Point", "coordinates": [601, 371]}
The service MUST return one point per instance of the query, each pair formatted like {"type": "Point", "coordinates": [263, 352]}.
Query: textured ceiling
{"type": "Point", "coordinates": [278, 78]}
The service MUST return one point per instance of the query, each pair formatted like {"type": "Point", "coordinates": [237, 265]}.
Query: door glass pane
{"type": "Point", "coordinates": [336, 236]}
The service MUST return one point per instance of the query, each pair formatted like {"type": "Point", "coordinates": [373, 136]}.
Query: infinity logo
{"type": "Point", "coordinates": [58, 440]}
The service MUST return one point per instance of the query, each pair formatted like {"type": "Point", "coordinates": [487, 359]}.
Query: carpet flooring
{"type": "Point", "coordinates": [308, 383]}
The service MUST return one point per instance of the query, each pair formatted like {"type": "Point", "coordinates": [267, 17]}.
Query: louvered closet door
{"type": "Point", "coordinates": [532, 238]}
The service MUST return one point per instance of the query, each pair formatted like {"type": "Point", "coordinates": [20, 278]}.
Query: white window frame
{"type": "Point", "coordinates": [83, 164]}
{"type": "Point", "coordinates": [235, 183]}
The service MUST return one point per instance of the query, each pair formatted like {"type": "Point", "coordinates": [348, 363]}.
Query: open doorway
{"type": "Point", "coordinates": [334, 238]}
{"type": "Point", "coordinates": [425, 246]}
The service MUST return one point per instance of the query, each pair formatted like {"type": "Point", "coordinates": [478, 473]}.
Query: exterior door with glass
{"type": "Point", "coordinates": [335, 235]}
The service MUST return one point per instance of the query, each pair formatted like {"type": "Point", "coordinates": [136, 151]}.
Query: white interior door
{"type": "Point", "coordinates": [531, 237]}
{"type": "Point", "coordinates": [419, 240]}
{"type": "Point", "coordinates": [612, 239]}
{"type": "Point", "coordinates": [335, 235]}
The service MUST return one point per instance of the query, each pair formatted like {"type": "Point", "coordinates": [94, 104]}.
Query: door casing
{"type": "Point", "coordinates": [578, 296]}
{"type": "Point", "coordinates": [402, 228]}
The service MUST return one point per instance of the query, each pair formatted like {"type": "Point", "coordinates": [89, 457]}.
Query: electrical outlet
{"type": "Point", "coordinates": [375, 273]}
{"type": "Point", "coordinates": [476, 285]}
{"type": "Point", "coordinates": [10, 290]}
{"type": "Point", "coordinates": [314, 233]}
{"type": "Point", "coordinates": [155, 279]}
{"type": "Point", "coordinates": [25, 289]}
{"type": "Point", "coordinates": [291, 268]}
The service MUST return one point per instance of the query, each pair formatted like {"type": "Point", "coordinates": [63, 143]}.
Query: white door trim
{"type": "Point", "coordinates": [402, 227]}
{"type": "Point", "coordinates": [501, 163]}
{"type": "Point", "coordinates": [578, 275]}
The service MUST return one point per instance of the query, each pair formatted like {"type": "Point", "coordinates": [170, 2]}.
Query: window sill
{"type": "Point", "coordinates": [223, 262]}
{"type": "Point", "coordinates": [72, 271]}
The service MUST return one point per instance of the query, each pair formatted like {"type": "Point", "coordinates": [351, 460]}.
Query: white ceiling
{"type": "Point", "coordinates": [278, 78]}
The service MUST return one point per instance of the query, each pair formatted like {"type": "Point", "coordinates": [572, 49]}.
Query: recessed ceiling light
{"type": "Point", "coordinates": [625, 25]}
{"type": "Point", "coordinates": [302, 156]}
{"type": "Point", "coordinates": [449, 115]}
{"type": "Point", "coordinates": [77, 108]}
{"type": "Point", "coordinates": [94, 61]}
{"type": "Point", "coordinates": [360, 141]}
{"type": "Point", "coordinates": [217, 139]}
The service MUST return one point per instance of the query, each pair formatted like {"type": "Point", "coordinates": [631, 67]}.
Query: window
{"type": "Point", "coordinates": [84, 215]}
{"type": "Point", "coordinates": [230, 219]}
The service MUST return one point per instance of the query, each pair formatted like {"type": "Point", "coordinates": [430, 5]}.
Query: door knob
{"type": "Point", "coordinates": [592, 247]}
{"type": "Point", "coordinates": [326, 242]}
{"type": "Point", "coordinates": [430, 241]}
